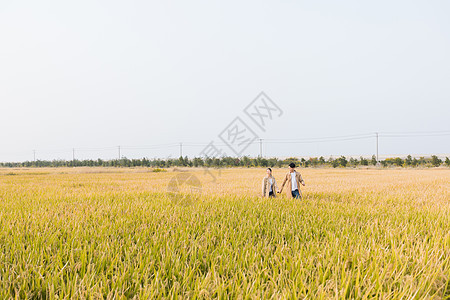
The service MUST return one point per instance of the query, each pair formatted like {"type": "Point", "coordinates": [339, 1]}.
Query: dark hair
{"type": "Point", "coordinates": [292, 165]}
{"type": "Point", "coordinates": [269, 169]}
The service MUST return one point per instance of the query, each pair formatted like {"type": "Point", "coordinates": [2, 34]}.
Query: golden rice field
{"type": "Point", "coordinates": [118, 233]}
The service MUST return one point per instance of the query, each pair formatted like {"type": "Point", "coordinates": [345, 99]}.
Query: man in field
{"type": "Point", "coordinates": [293, 180]}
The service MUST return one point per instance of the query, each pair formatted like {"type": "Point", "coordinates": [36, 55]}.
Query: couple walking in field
{"type": "Point", "coordinates": [293, 180]}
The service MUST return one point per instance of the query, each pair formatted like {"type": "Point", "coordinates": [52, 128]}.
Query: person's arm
{"type": "Point", "coordinates": [301, 179]}
{"type": "Point", "coordinates": [282, 186]}
{"type": "Point", "coordinates": [275, 187]}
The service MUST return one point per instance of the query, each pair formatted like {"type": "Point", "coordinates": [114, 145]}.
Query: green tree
{"type": "Point", "coordinates": [353, 162]}
{"type": "Point", "coordinates": [422, 161]}
{"type": "Point", "coordinates": [303, 162]}
{"type": "Point", "coordinates": [343, 161]}
{"type": "Point", "coordinates": [197, 162]}
{"type": "Point", "coordinates": [363, 161]}
{"type": "Point", "coordinates": [374, 160]}
{"type": "Point", "coordinates": [408, 160]}
{"type": "Point", "coordinates": [245, 161]}
{"type": "Point", "coordinates": [321, 160]}
{"type": "Point", "coordinates": [313, 161]}
{"type": "Point", "coordinates": [398, 161]}
{"type": "Point", "coordinates": [335, 163]}
{"type": "Point", "coordinates": [435, 161]}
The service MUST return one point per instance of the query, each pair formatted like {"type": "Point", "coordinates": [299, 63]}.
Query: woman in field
{"type": "Point", "coordinates": [269, 185]}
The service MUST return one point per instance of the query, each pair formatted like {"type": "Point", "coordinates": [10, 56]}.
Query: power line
{"type": "Point", "coordinates": [310, 140]}
{"type": "Point", "coordinates": [97, 149]}
{"type": "Point", "coordinates": [313, 141]}
{"type": "Point", "coordinates": [415, 135]}
{"type": "Point", "coordinates": [257, 141]}
{"type": "Point", "coordinates": [325, 138]}
{"type": "Point", "coordinates": [416, 132]}
{"type": "Point", "coordinates": [157, 146]}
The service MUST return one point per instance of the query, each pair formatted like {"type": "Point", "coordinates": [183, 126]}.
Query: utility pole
{"type": "Point", "coordinates": [260, 148]}
{"type": "Point", "coordinates": [73, 155]}
{"type": "Point", "coordinates": [118, 147]}
{"type": "Point", "coordinates": [376, 133]}
{"type": "Point", "coordinates": [34, 155]}
{"type": "Point", "coordinates": [181, 149]}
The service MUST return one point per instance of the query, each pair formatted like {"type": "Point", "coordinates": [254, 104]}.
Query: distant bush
{"type": "Point", "coordinates": [435, 161]}
{"type": "Point", "coordinates": [160, 165]}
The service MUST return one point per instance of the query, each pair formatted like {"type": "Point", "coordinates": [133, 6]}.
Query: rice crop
{"type": "Point", "coordinates": [118, 234]}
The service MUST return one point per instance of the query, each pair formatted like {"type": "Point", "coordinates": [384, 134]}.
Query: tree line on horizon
{"type": "Point", "coordinates": [245, 161]}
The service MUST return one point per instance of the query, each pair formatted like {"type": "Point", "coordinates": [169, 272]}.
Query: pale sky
{"type": "Point", "coordinates": [93, 75]}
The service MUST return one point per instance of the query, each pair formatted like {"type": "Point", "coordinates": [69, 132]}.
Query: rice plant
{"type": "Point", "coordinates": [116, 233]}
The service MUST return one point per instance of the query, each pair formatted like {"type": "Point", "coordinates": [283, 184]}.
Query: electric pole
{"type": "Point", "coordinates": [34, 155]}
{"type": "Point", "coordinates": [118, 147]}
{"type": "Point", "coordinates": [260, 148]}
{"type": "Point", "coordinates": [73, 155]}
{"type": "Point", "coordinates": [181, 149]}
{"type": "Point", "coordinates": [376, 133]}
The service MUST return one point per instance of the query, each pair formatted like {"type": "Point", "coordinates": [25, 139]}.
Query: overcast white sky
{"type": "Point", "coordinates": [98, 74]}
